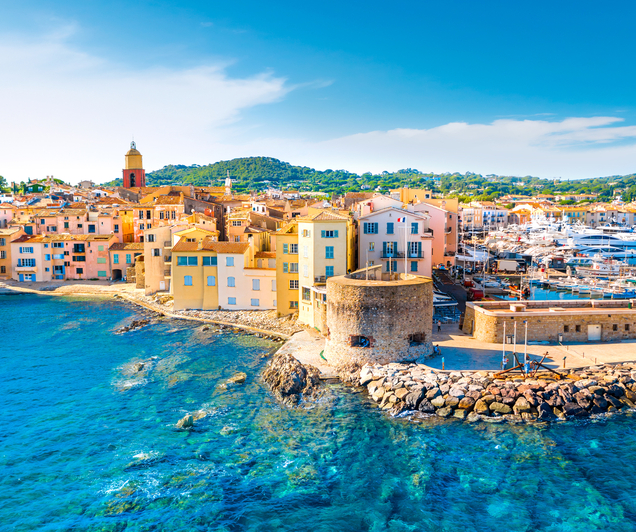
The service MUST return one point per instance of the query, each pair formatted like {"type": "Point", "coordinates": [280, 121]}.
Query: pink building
{"type": "Point", "coordinates": [7, 212]}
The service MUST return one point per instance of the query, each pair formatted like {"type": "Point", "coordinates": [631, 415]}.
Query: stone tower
{"type": "Point", "coordinates": [134, 173]}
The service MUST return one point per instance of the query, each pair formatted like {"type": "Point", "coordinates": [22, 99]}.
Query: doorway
{"type": "Point", "coordinates": [594, 333]}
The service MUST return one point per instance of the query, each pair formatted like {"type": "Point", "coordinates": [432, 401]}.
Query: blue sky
{"type": "Point", "coordinates": [522, 88]}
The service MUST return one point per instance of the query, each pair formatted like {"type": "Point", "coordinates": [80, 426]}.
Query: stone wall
{"type": "Point", "coordinates": [393, 317]}
{"type": "Point", "coordinates": [569, 319]}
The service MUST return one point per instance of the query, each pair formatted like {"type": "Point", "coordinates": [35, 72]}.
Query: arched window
{"type": "Point", "coordinates": [132, 179]}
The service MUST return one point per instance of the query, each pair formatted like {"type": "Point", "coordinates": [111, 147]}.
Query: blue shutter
{"type": "Point", "coordinates": [285, 267]}
{"type": "Point", "coordinates": [384, 249]}
{"type": "Point", "coordinates": [335, 233]}
{"type": "Point", "coordinates": [419, 249]}
{"type": "Point", "coordinates": [285, 248]}
{"type": "Point", "coordinates": [322, 233]}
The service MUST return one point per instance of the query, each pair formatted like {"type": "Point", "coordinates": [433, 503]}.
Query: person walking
{"type": "Point", "coordinates": [439, 326]}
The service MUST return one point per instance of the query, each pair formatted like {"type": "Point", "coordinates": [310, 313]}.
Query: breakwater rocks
{"type": "Point", "coordinates": [291, 382]}
{"type": "Point", "coordinates": [483, 396]}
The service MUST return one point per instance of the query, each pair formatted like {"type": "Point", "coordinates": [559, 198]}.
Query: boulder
{"type": "Point", "coordinates": [522, 405]}
{"type": "Point", "coordinates": [500, 408]}
{"type": "Point", "coordinates": [366, 376]}
{"type": "Point", "coordinates": [615, 390]}
{"type": "Point", "coordinates": [426, 407]}
{"type": "Point", "coordinates": [466, 403]}
{"type": "Point", "coordinates": [456, 392]}
{"type": "Point", "coordinates": [291, 381]}
{"type": "Point", "coordinates": [438, 402]}
{"type": "Point", "coordinates": [630, 395]}
{"type": "Point", "coordinates": [600, 402]}
{"type": "Point", "coordinates": [613, 401]}
{"type": "Point", "coordinates": [574, 410]}
{"type": "Point", "coordinates": [460, 414]}
{"type": "Point", "coordinates": [413, 399]}
{"type": "Point", "coordinates": [237, 378]}
{"type": "Point", "coordinates": [445, 412]}
{"type": "Point", "coordinates": [481, 407]}
{"type": "Point", "coordinates": [451, 401]}
{"type": "Point", "coordinates": [186, 422]}
{"type": "Point", "coordinates": [433, 393]}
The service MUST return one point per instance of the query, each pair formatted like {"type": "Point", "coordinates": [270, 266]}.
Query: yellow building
{"type": "Point", "coordinates": [326, 248]}
{"type": "Point", "coordinates": [288, 293]}
{"type": "Point", "coordinates": [7, 235]}
{"type": "Point", "coordinates": [195, 275]}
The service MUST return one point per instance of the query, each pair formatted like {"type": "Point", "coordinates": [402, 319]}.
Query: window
{"type": "Point", "coordinates": [148, 215]}
{"type": "Point", "coordinates": [293, 249]}
{"type": "Point", "coordinates": [91, 228]}
{"type": "Point", "coordinates": [65, 225]}
{"type": "Point", "coordinates": [273, 285]}
{"type": "Point", "coordinates": [29, 263]}
{"type": "Point", "coordinates": [615, 327]}
{"type": "Point", "coordinates": [231, 301]}
{"type": "Point", "coordinates": [42, 221]}
{"type": "Point", "coordinates": [293, 304]}
{"type": "Point", "coordinates": [116, 228]}
{"type": "Point", "coordinates": [229, 261]}
{"type": "Point", "coordinates": [254, 302]}
{"type": "Point", "coordinates": [415, 249]}
{"type": "Point", "coordinates": [100, 248]}
{"type": "Point", "coordinates": [181, 261]}
{"type": "Point", "coordinates": [26, 250]}
{"type": "Point", "coordinates": [329, 234]}
{"type": "Point", "coordinates": [237, 239]}
{"type": "Point", "coordinates": [306, 233]}
{"type": "Point", "coordinates": [370, 228]}
{"type": "Point", "coordinates": [150, 238]}
{"type": "Point", "coordinates": [414, 266]}
{"type": "Point", "coordinates": [187, 280]}
{"type": "Point", "coordinates": [161, 215]}
{"type": "Point", "coordinates": [3, 269]}
{"type": "Point", "coordinates": [626, 327]}
{"type": "Point", "coordinates": [293, 267]}
{"type": "Point", "coordinates": [566, 328]}
{"type": "Point", "coordinates": [306, 294]}
{"type": "Point", "coordinates": [156, 252]}
{"type": "Point", "coordinates": [101, 273]}
{"type": "Point", "coordinates": [329, 252]}
{"type": "Point", "coordinates": [359, 341]}
{"type": "Point", "coordinates": [79, 271]}
{"type": "Point", "coordinates": [100, 260]}
{"type": "Point", "coordinates": [209, 261]}
{"type": "Point", "coordinates": [414, 228]}
{"type": "Point", "coordinates": [211, 280]}
{"type": "Point", "coordinates": [81, 258]}
{"type": "Point", "coordinates": [389, 228]}
{"type": "Point", "coordinates": [577, 328]}
{"type": "Point", "coordinates": [329, 271]}
{"type": "Point", "coordinates": [391, 266]}
{"type": "Point", "coordinates": [293, 284]}
{"type": "Point", "coordinates": [46, 257]}
{"type": "Point", "coordinates": [128, 258]}
{"type": "Point", "coordinates": [57, 245]}
{"type": "Point", "coordinates": [305, 270]}
{"type": "Point", "coordinates": [58, 256]}
{"type": "Point", "coordinates": [142, 227]}
{"type": "Point", "coordinates": [115, 258]}
{"type": "Point", "coordinates": [193, 261]}
{"type": "Point", "coordinates": [141, 215]}
{"type": "Point", "coordinates": [3, 254]}
{"type": "Point", "coordinates": [3, 242]}
{"type": "Point", "coordinates": [236, 223]}
{"type": "Point", "coordinates": [306, 252]}
{"type": "Point", "coordinates": [231, 281]}
{"type": "Point", "coordinates": [256, 284]}
{"type": "Point", "coordinates": [371, 246]}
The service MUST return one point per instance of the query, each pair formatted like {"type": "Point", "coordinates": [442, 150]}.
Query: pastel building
{"type": "Point", "coordinates": [7, 213]}
{"type": "Point", "coordinates": [397, 240]}
{"type": "Point", "coordinates": [7, 235]}
{"type": "Point", "coordinates": [285, 242]}
{"type": "Point", "coordinates": [122, 257]}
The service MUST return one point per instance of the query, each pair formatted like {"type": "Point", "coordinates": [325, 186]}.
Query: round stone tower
{"type": "Point", "coordinates": [375, 321]}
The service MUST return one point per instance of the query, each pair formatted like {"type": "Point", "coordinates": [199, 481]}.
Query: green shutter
{"type": "Point", "coordinates": [335, 233]}
{"type": "Point", "coordinates": [286, 248]}
{"type": "Point", "coordinates": [285, 267]}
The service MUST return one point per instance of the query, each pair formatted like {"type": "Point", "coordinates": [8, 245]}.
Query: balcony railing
{"type": "Point", "coordinates": [395, 255]}
{"type": "Point", "coordinates": [167, 244]}
{"type": "Point", "coordinates": [320, 279]}
{"type": "Point", "coordinates": [26, 268]}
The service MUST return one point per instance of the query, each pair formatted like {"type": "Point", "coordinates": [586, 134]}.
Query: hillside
{"type": "Point", "coordinates": [259, 173]}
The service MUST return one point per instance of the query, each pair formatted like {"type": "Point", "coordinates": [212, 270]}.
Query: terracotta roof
{"type": "Point", "coordinates": [328, 215]}
{"type": "Point", "coordinates": [183, 246]}
{"type": "Point", "coordinates": [227, 247]}
{"type": "Point", "coordinates": [118, 246]}
{"type": "Point", "coordinates": [6, 206]}
{"type": "Point", "coordinates": [169, 200]}
{"type": "Point", "coordinates": [265, 255]}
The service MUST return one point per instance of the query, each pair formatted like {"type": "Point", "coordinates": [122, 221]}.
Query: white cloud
{"type": "Point", "coordinates": [71, 114]}
{"type": "Point", "coordinates": [570, 148]}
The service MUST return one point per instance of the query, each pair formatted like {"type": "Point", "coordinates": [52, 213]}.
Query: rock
{"type": "Point", "coordinates": [438, 402]}
{"type": "Point", "coordinates": [615, 390]}
{"type": "Point", "coordinates": [414, 399]}
{"type": "Point", "coordinates": [444, 388]}
{"type": "Point", "coordinates": [139, 366]}
{"type": "Point", "coordinates": [473, 417]}
{"type": "Point", "coordinates": [199, 414]}
{"type": "Point", "coordinates": [488, 399]}
{"type": "Point", "coordinates": [186, 422]}
{"type": "Point", "coordinates": [445, 412]}
{"type": "Point", "coordinates": [237, 378]}
{"type": "Point", "coordinates": [433, 393]}
{"type": "Point", "coordinates": [600, 402]}
{"type": "Point", "coordinates": [426, 407]}
{"type": "Point", "coordinates": [481, 407]}
{"type": "Point", "coordinates": [500, 408]}
{"type": "Point", "coordinates": [545, 412]}
{"type": "Point", "coordinates": [630, 395]}
{"type": "Point", "coordinates": [613, 401]}
{"type": "Point", "coordinates": [451, 401]}
{"type": "Point", "coordinates": [401, 393]}
{"type": "Point", "coordinates": [366, 376]}
{"type": "Point", "coordinates": [597, 410]}
{"type": "Point", "coordinates": [522, 405]}
{"type": "Point", "coordinates": [467, 403]}
{"type": "Point", "coordinates": [598, 390]}
{"type": "Point", "coordinates": [573, 409]}
{"type": "Point", "coordinates": [460, 414]}
{"type": "Point", "coordinates": [379, 394]}
{"type": "Point", "coordinates": [456, 392]}
{"type": "Point", "coordinates": [291, 381]}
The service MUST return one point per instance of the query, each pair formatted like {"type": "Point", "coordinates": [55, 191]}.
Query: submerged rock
{"type": "Point", "coordinates": [292, 382]}
{"type": "Point", "coordinates": [186, 422]}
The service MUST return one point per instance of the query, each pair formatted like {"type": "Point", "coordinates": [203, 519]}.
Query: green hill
{"type": "Point", "coordinates": [259, 173]}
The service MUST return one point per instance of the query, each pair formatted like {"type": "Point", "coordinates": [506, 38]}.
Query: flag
{"type": "Point", "coordinates": [401, 219]}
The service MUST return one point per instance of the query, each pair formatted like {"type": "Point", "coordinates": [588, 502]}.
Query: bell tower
{"type": "Point", "coordinates": [134, 173]}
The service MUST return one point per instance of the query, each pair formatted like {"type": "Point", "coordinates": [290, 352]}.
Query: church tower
{"type": "Point", "coordinates": [134, 173]}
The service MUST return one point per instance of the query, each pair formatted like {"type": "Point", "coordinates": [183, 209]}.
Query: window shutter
{"type": "Point", "coordinates": [285, 267]}
{"type": "Point", "coordinates": [384, 249]}
{"type": "Point", "coordinates": [285, 248]}
{"type": "Point", "coordinates": [322, 233]}
{"type": "Point", "coordinates": [419, 249]}
{"type": "Point", "coordinates": [335, 233]}
{"type": "Point", "coordinates": [395, 249]}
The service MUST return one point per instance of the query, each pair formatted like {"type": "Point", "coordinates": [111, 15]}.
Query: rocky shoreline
{"type": "Point", "coordinates": [415, 389]}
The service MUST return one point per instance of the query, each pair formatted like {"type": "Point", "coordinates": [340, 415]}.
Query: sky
{"type": "Point", "coordinates": [495, 87]}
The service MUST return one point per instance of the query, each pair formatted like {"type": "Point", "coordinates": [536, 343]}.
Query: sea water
{"type": "Point", "coordinates": [86, 443]}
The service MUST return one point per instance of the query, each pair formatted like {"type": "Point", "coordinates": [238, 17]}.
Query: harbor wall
{"type": "Point", "coordinates": [552, 321]}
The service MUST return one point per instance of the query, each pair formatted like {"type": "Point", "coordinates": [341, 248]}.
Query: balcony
{"type": "Point", "coordinates": [320, 279]}
{"type": "Point", "coordinates": [26, 268]}
{"type": "Point", "coordinates": [167, 244]}
{"type": "Point", "coordinates": [396, 255]}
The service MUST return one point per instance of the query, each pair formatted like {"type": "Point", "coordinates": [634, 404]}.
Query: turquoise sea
{"type": "Point", "coordinates": [86, 445]}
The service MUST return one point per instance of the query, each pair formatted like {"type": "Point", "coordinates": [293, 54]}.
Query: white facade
{"type": "Point", "coordinates": [244, 288]}
{"type": "Point", "coordinates": [382, 240]}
